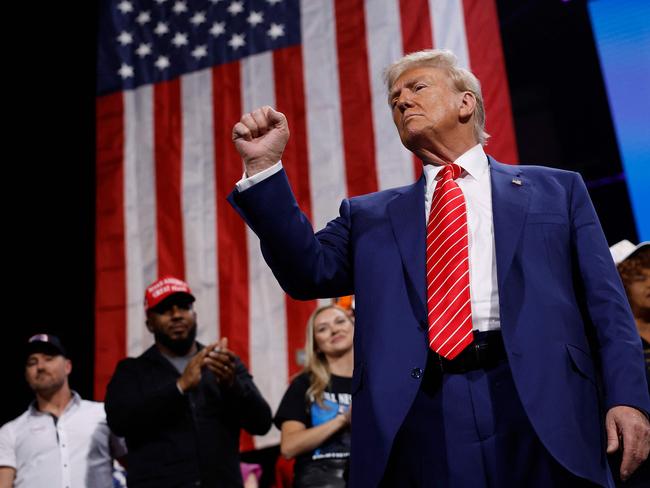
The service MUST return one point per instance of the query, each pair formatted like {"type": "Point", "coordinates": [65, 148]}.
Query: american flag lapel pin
{"type": "Point", "coordinates": [516, 181]}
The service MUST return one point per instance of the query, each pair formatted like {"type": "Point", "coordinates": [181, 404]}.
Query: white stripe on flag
{"type": "Point", "coordinates": [267, 319]}
{"type": "Point", "coordinates": [384, 38]}
{"type": "Point", "coordinates": [448, 24]}
{"type": "Point", "coordinates": [198, 190]}
{"type": "Point", "coordinates": [324, 127]}
{"type": "Point", "coordinates": [139, 212]}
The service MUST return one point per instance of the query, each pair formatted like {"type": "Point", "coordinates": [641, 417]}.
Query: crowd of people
{"type": "Point", "coordinates": [492, 343]}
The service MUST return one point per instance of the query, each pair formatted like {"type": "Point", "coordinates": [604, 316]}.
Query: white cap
{"type": "Point", "coordinates": [625, 249]}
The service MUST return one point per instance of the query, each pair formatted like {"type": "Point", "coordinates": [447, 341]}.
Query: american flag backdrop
{"type": "Point", "coordinates": [174, 77]}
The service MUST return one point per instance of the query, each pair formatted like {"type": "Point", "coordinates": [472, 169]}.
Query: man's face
{"type": "Point", "coordinates": [425, 107]}
{"type": "Point", "coordinates": [173, 323]}
{"type": "Point", "coordinates": [47, 373]}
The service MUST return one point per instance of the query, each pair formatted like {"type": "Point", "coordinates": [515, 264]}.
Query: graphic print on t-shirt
{"type": "Point", "coordinates": [337, 446]}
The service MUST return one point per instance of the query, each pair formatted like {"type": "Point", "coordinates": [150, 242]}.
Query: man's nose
{"type": "Point", "coordinates": [404, 101]}
{"type": "Point", "coordinates": [175, 311]}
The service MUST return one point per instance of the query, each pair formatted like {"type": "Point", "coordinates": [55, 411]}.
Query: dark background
{"type": "Point", "coordinates": [559, 105]}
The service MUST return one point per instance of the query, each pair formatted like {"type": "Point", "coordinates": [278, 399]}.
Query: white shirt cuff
{"type": "Point", "coordinates": [246, 182]}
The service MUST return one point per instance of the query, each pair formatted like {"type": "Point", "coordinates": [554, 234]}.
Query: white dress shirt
{"type": "Point", "coordinates": [475, 185]}
{"type": "Point", "coordinates": [474, 182]}
{"type": "Point", "coordinates": [76, 451]}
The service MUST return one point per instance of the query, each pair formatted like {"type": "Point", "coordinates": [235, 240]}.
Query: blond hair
{"type": "Point", "coordinates": [462, 80]}
{"type": "Point", "coordinates": [316, 365]}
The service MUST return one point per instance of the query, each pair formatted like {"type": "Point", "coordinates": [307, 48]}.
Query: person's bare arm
{"type": "Point", "coordinates": [297, 438]}
{"type": "Point", "coordinates": [7, 476]}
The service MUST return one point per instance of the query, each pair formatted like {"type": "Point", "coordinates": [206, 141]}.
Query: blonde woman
{"type": "Point", "coordinates": [314, 415]}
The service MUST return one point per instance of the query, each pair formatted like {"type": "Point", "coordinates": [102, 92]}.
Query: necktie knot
{"type": "Point", "coordinates": [451, 171]}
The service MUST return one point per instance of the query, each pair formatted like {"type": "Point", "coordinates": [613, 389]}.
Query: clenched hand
{"type": "Point", "coordinates": [260, 137]}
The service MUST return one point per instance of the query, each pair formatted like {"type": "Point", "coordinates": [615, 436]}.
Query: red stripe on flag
{"type": "Point", "coordinates": [110, 260]}
{"type": "Point", "coordinates": [416, 36]}
{"type": "Point", "coordinates": [415, 20]}
{"type": "Point", "coordinates": [231, 230]}
{"type": "Point", "coordinates": [486, 60]}
{"type": "Point", "coordinates": [290, 99]}
{"type": "Point", "coordinates": [168, 133]}
{"type": "Point", "coordinates": [356, 102]}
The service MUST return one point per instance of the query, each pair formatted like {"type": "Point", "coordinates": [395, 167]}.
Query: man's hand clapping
{"type": "Point", "coordinates": [217, 358]}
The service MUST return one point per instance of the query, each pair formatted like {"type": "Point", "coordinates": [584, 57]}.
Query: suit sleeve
{"type": "Point", "coordinates": [247, 401]}
{"type": "Point", "coordinates": [132, 406]}
{"type": "Point", "coordinates": [306, 265]}
{"type": "Point", "coordinates": [620, 351]}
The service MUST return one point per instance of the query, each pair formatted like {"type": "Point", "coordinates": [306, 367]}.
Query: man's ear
{"type": "Point", "coordinates": [149, 326]}
{"type": "Point", "coordinates": [467, 106]}
{"type": "Point", "coordinates": [68, 367]}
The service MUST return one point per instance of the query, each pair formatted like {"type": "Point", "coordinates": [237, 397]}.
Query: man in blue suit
{"type": "Point", "coordinates": [553, 378]}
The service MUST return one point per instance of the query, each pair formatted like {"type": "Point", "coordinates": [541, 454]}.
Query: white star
{"type": "Point", "coordinates": [125, 71]}
{"type": "Point", "coordinates": [179, 39]}
{"type": "Point", "coordinates": [235, 8]}
{"type": "Point", "coordinates": [218, 28]}
{"type": "Point", "coordinates": [143, 50]}
{"type": "Point", "coordinates": [162, 62]}
{"type": "Point", "coordinates": [276, 30]}
{"type": "Point", "coordinates": [273, 2]}
{"type": "Point", "coordinates": [161, 29]}
{"type": "Point", "coordinates": [125, 38]}
{"type": "Point", "coordinates": [179, 7]}
{"type": "Point", "coordinates": [255, 18]}
{"type": "Point", "coordinates": [198, 18]}
{"type": "Point", "coordinates": [200, 52]}
{"type": "Point", "coordinates": [143, 18]}
{"type": "Point", "coordinates": [125, 7]}
{"type": "Point", "coordinates": [236, 41]}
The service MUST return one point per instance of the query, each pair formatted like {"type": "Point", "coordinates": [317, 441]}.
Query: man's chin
{"type": "Point", "coordinates": [412, 138]}
{"type": "Point", "coordinates": [178, 345]}
{"type": "Point", "coordinates": [46, 388]}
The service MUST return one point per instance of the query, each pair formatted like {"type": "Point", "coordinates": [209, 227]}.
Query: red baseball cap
{"type": "Point", "coordinates": [163, 288]}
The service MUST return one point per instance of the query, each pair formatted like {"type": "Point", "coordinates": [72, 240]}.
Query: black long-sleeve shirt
{"type": "Point", "coordinates": [182, 440]}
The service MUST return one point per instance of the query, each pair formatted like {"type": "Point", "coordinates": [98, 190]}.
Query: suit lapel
{"type": "Point", "coordinates": [509, 208]}
{"type": "Point", "coordinates": [510, 195]}
{"type": "Point", "coordinates": [407, 218]}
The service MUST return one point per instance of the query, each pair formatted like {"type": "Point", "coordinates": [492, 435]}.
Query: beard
{"type": "Point", "coordinates": [180, 347]}
{"type": "Point", "coordinates": [46, 385]}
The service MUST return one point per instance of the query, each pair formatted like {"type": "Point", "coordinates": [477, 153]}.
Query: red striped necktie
{"type": "Point", "coordinates": [448, 300]}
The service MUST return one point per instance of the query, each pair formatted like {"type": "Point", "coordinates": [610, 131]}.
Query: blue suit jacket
{"type": "Point", "coordinates": [570, 337]}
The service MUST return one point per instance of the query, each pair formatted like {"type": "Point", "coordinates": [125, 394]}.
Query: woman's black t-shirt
{"type": "Point", "coordinates": [296, 406]}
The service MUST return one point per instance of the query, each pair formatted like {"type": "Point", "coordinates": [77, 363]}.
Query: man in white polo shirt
{"type": "Point", "coordinates": [61, 440]}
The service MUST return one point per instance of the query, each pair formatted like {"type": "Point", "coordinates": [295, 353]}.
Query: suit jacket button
{"type": "Point", "coordinates": [416, 373]}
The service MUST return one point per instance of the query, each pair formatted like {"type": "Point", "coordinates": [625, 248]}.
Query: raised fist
{"type": "Point", "coordinates": [260, 138]}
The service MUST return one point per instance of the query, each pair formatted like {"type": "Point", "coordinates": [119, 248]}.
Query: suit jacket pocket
{"type": "Point", "coordinates": [582, 362]}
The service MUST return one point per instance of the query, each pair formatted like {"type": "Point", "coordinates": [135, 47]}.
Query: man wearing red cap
{"type": "Point", "coordinates": [181, 405]}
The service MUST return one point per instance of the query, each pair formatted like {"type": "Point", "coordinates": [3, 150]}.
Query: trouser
{"type": "Point", "coordinates": [471, 430]}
